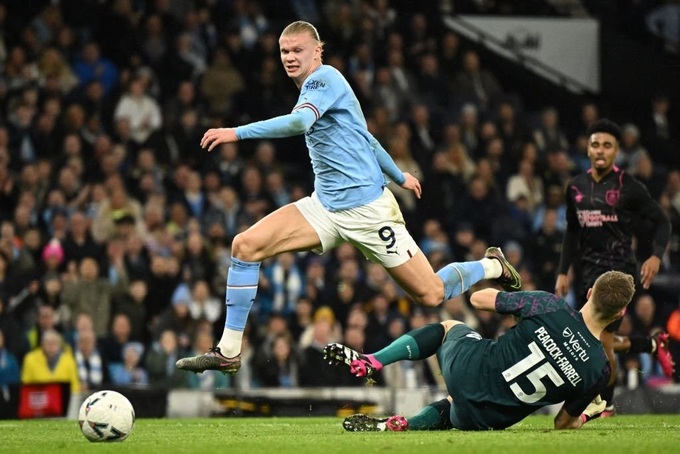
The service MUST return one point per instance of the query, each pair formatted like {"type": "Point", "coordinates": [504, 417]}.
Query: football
{"type": "Point", "coordinates": [106, 416]}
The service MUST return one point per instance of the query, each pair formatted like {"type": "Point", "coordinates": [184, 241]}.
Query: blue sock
{"type": "Point", "coordinates": [458, 277]}
{"type": "Point", "coordinates": [241, 290]}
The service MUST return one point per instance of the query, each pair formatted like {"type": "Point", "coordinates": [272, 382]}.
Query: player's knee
{"type": "Point", "coordinates": [430, 299]}
{"type": "Point", "coordinates": [448, 324]}
{"type": "Point", "coordinates": [243, 248]}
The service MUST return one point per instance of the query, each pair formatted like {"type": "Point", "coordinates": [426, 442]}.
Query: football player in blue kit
{"type": "Point", "coordinates": [350, 202]}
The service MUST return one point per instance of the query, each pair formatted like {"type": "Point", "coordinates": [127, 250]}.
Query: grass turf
{"type": "Point", "coordinates": [622, 434]}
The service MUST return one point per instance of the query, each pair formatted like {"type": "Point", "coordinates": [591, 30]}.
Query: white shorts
{"type": "Point", "coordinates": [378, 229]}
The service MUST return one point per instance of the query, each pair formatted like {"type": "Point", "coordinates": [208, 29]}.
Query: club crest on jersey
{"type": "Point", "coordinates": [612, 197]}
{"type": "Point", "coordinates": [314, 85]}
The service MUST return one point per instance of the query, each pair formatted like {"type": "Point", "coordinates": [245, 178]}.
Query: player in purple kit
{"type": "Point", "coordinates": [552, 355]}
{"type": "Point", "coordinates": [602, 205]}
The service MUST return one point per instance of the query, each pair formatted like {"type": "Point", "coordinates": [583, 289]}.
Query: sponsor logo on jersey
{"type": "Point", "coordinates": [474, 335]}
{"type": "Point", "coordinates": [573, 344]}
{"type": "Point", "coordinates": [595, 218]}
{"type": "Point", "coordinates": [314, 85]}
{"type": "Point", "coordinates": [553, 349]}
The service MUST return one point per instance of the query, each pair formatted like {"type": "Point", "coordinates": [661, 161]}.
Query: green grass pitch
{"type": "Point", "coordinates": [622, 434]}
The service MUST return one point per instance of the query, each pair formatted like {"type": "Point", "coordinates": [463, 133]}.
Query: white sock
{"type": "Point", "coordinates": [492, 268]}
{"type": "Point", "coordinates": [230, 344]}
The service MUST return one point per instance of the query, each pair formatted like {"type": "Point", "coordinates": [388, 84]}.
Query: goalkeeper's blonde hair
{"type": "Point", "coordinates": [612, 291]}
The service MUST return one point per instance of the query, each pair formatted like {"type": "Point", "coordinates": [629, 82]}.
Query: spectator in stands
{"type": "Point", "coordinates": [141, 110]}
{"type": "Point", "coordinates": [88, 292]}
{"type": "Point", "coordinates": [316, 371]}
{"type": "Point", "coordinates": [52, 361]}
{"type": "Point", "coordinates": [221, 84]}
{"type": "Point", "coordinates": [161, 359]}
{"type": "Point", "coordinates": [424, 136]}
{"type": "Point", "coordinates": [282, 283]}
{"type": "Point", "coordinates": [281, 367]}
{"type": "Point", "coordinates": [458, 157]}
{"type": "Point", "coordinates": [133, 304]}
{"type": "Point", "coordinates": [476, 84]}
{"type": "Point", "coordinates": [477, 206]}
{"type": "Point", "coordinates": [9, 368]}
{"type": "Point", "coordinates": [119, 207]}
{"type": "Point", "coordinates": [46, 320]}
{"type": "Point", "coordinates": [93, 371]}
{"type": "Point", "coordinates": [130, 371]}
{"type": "Point", "coordinates": [469, 129]}
{"type": "Point", "coordinates": [111, 346]}
{"type": "Point", "coordinates": [176, 317]}
{"type": "Point", "coordinates": [525, 183]}
{"type": "Point", "coordinates": [648, 173]}
{"type": "Point", "coordinates": [545, 250]}
{"type": "Point", "coordinates": [90, 66]}
{"type": "Point", "coordinates": [52, 64]}
{"type": "Point", "coordinates": [548, 135]}
{"type": "Point", "coordinates": [631, 148]}
{"type": "Point", "coordinates": [79, 242]}
{"type": "Point", "coordinates": [664, 23]}
{"type": "Point", "coordinates": [401, 154]}
{"type": "Point", "coordinates": [203, 305]}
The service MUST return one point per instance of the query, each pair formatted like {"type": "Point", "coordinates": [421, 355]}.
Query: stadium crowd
{"type": "Point", "coordinates": [116, 225]}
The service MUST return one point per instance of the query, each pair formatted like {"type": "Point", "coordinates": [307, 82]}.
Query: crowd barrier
{"type": "Point", "coordinates": [50, 401]}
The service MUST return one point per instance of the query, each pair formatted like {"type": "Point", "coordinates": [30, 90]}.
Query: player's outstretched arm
{"type": "Point", "coordinates": [484, 299]}
{"type": "Point", "coordinates": [295, 123]}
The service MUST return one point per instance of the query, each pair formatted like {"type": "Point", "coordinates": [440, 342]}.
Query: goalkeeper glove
{"type": "Point", "coordinates": [594, 409]}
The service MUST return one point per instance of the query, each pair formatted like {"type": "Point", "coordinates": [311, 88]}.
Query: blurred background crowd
{"type": "Point", "coordinates": [116, 225]}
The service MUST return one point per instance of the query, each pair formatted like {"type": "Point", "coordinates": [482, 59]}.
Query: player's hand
{"type": "Point", "coordinates": [214, 137]}
{"type": "Point", "coordinates": [594, 409]}
{"type": "Point", "coordinates": [562, 285]}
{"type": "Point", "coordinates": [649, 270]}
{"type": "Point", "coordinates": [411, 183]}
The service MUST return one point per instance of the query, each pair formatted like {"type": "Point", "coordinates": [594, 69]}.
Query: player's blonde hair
{"type": "Point", "coordinates": [301, 26]}
{"type": "Point", "coordinates": [612, 291]}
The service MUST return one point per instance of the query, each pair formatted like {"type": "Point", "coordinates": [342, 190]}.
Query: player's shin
{"type": "Point", "coordinates": [241, 290]}
{"type": "Point", "coordinates": [418, 344]}
{"type": "Point", "coordinates": [432, 417]}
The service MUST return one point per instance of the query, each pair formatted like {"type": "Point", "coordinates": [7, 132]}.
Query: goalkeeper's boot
{"type": "Point", "coordinates": [663, 355]}
{"type": "Point", "coordinates": [212, 360]}
{"type": "Point", "coordinates": [359, 365]}
{"type": "Point", "coordinates": [363, 423]}
{"type": "Point", "coordinates": [509, 279]}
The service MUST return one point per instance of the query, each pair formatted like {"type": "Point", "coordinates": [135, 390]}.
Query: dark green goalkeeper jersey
{"type": "Point", "coordinates": [550, 356]}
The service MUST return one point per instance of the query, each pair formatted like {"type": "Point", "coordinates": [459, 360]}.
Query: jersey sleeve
{"type": "Point", "coordinates": [527, 304]}
{"type": "Point", "coordinates": [320, 91]}
{"type": "Point", "coordinates": [570, 238]}
{"type": "Point", "coordinates": [576, 406]}
{"type": "Point", "coordinates": [646, 207]}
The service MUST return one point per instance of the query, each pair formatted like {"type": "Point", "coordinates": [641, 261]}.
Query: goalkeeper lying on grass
{"type": "Point", "coordinates": [552, 355]}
